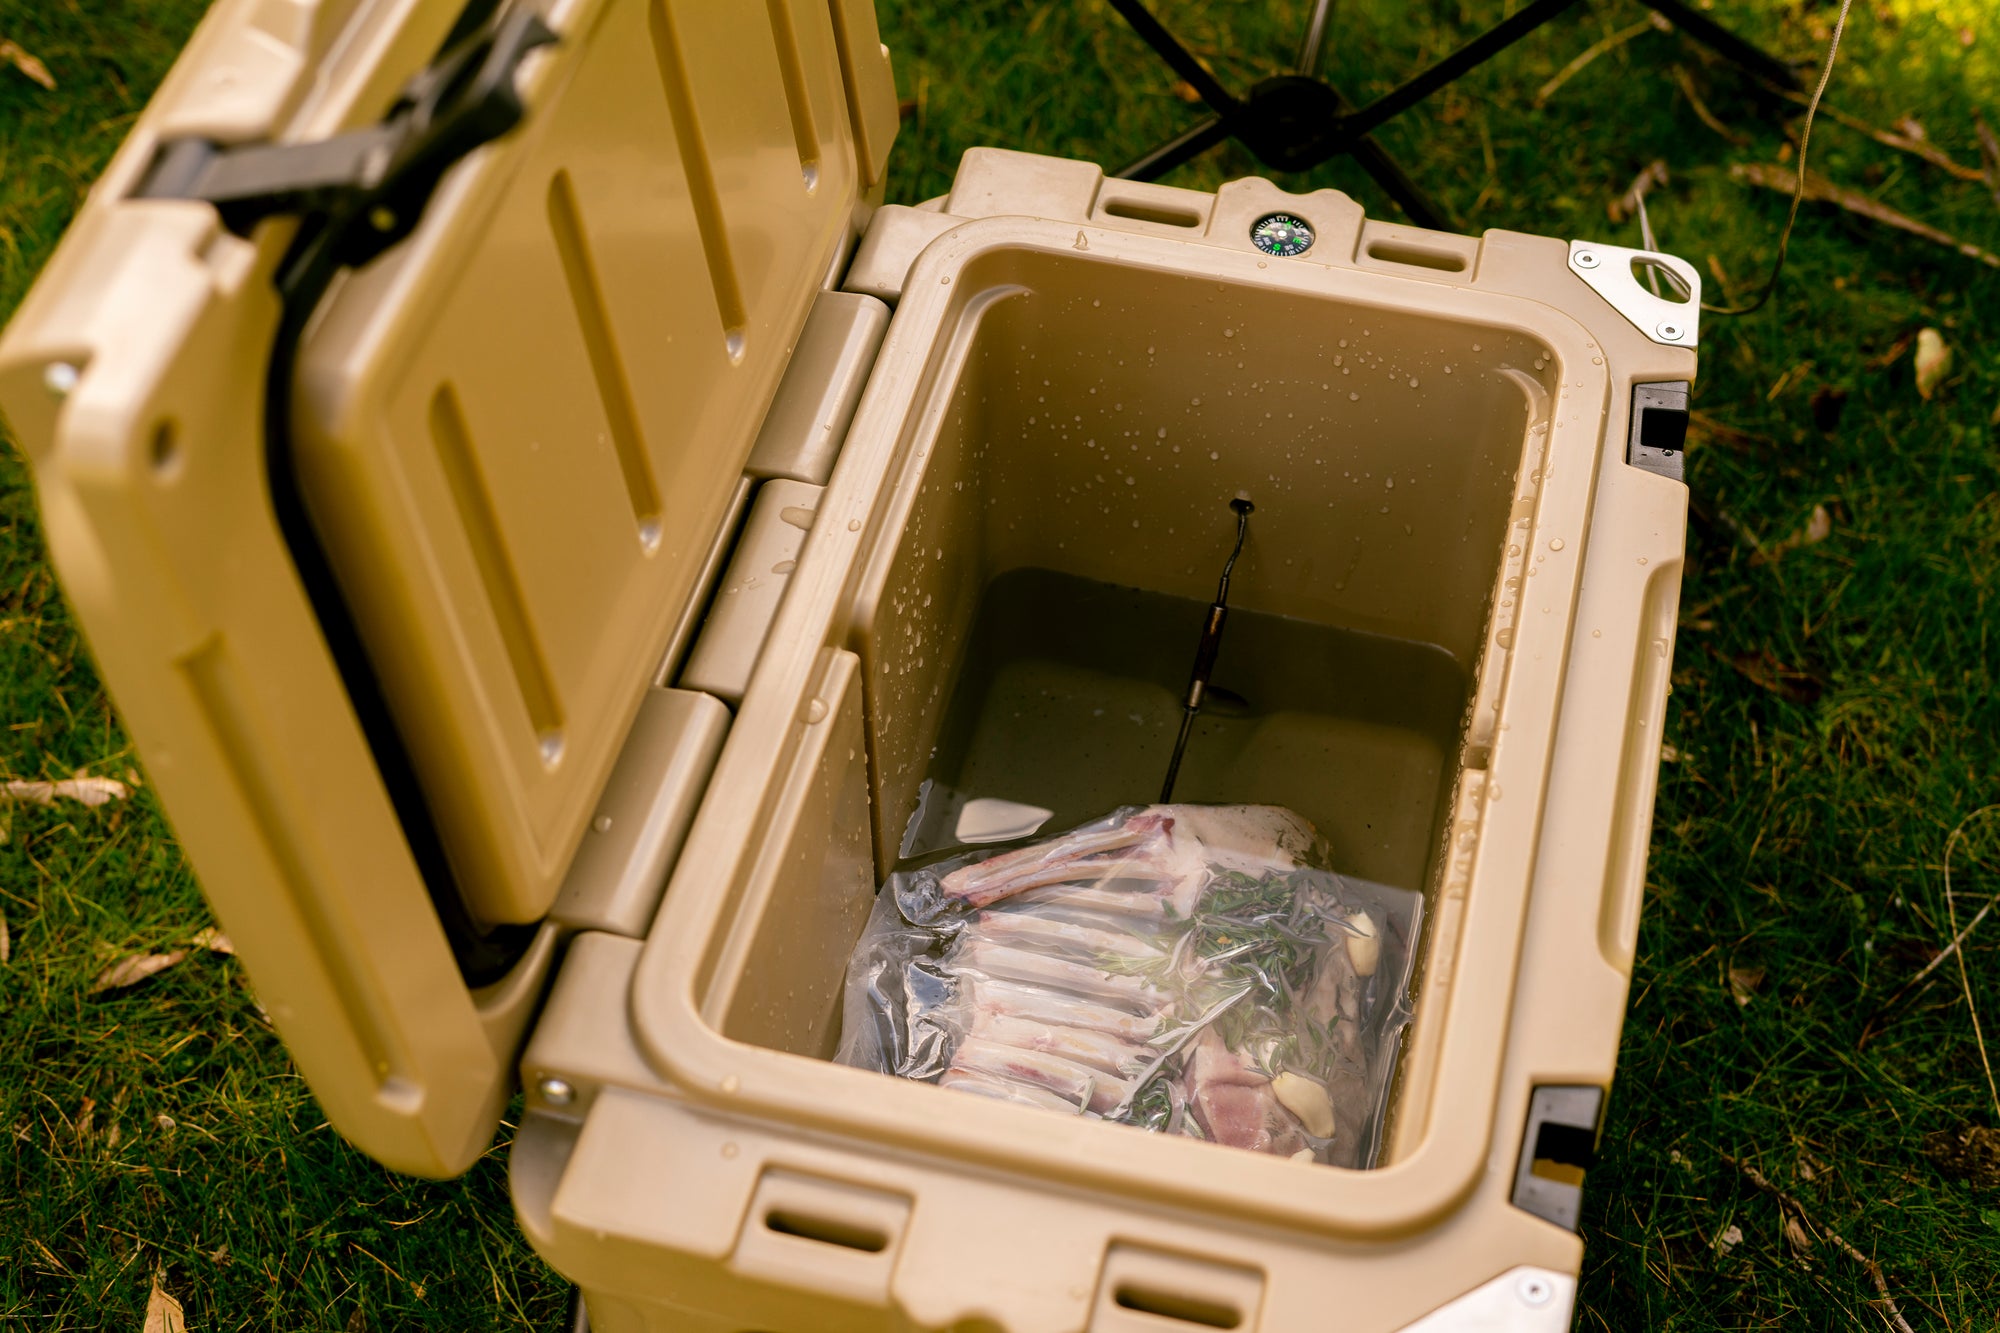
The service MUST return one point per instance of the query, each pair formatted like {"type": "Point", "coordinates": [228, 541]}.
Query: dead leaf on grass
{"type": "Point", "coordinates": [27, 64]}
{"type": "Point", "coordinates": [1933, 361]}
{"type": "Point", "coordinates": [213, 940]}
{"type": "Point", "coordinates": [1970, 1153]}
{"type": "Point", "coordinates": [1763, 669]}
{"type": "Point", "coordinates": [1796, 1237]}
{"type": "Point", "coordinates": [163, 1312]}
{"type": "Point", "coordinates": [1818, 527]}
{"type": "Point", "coordinates": [1729, 1240]}
{"type": "Point", "coordinates": [6, 941]}
{"type": "Point", "coordinates": [134, 968]}
{"type": "Point", "coordinates": [1743, 983]}
{"type": "Point", "coordinates": [89, 790]}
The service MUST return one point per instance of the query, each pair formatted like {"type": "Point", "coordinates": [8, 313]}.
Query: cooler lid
{"type": "Point", "coordinates": [379, 657]}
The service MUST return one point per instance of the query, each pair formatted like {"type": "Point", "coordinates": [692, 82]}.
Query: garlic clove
{"type": "Point", "coordinates": [1364, 944]}
{"type": "Point", "coordinates": [1307, 1100]}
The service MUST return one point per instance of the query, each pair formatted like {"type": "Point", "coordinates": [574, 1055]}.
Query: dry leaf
{"type": "Point", "coordinates": [27, 64]}
{"type": "Point", "coordinates": [213, 940]}
{"type": "Point", "coordinates": [6, 941]}
{"type": "Point", "coordinates": [1970, 1153]}
{"type": "Point", "coordinates": [82, 787]}
{"type": "Point", "coordinates": [1796, 1237]}
{"type": "Point", "coordinates": [163, 1312]}
{"type": "Point", "coordinates": [1819, 526]}
{"type": "Point", "coordinates": [1729, 1240]}
{"type": "Point", "coordinates": [1186, 91]}
{"type": "Point", "coordinates": [1763, 669]}
{"type": "Point", "coordinates": [1744, 981]}
{"type": "Point", "coordinates": [1933, 361]}
{"type": "Point", "coordinates": [134, 968]}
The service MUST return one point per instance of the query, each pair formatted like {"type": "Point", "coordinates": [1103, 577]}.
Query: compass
{"type": "Point", "coordinates": [1282, 234]}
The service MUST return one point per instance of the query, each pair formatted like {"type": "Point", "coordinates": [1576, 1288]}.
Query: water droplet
{"type": "Point", "coordinates": [1555, 543]}
{"type": "Point", "coordinates": [784, 566]}
{"type": "Point", "coordinates": [730, 1083]}
{"type": "Point", "coordinates": [854, 525]}
{"type": "Point", "coordinates": [1229, 333]}
{"type": "Point", "coordinates": [815, 711]}
{"type": "Point", "coordinates": [602, 823]}
{"type": "Point", "coordinates": [1505, 638]}
{"type": "Point", "coordinates": [1212, 455]}
{"type": "Point", "coordinates": [1353, 397]}
{"type": "Point", "coordinates": [1642, 559]}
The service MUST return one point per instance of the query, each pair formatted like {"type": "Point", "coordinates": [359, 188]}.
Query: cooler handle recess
{"type": "Point", "coordinates": [826, 1235]}
{"type": "Point", "coordinates": [1639, 767]}
{"type": "Point", "coordinates": [1144, 1290]}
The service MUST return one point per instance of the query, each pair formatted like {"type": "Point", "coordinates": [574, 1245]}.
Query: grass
{"type": "Point", "coordinates": [1834, 715]}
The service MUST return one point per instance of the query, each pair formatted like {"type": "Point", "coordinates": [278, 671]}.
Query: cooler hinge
{"type": "Point", "coordinates": [370, 185]}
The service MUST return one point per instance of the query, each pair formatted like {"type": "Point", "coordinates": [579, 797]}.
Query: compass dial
{"type": "Point", "coordinates": [1282, 234]}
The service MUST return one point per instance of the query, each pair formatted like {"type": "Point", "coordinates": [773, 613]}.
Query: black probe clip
{"type": "Point", "coordinates": [1204, 653]}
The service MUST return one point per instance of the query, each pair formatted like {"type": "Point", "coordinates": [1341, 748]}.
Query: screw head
{"type": "Point", "coordinates": [1670, 331]}
{"type": "Point", "coordinates": [1282, 234]}
{"type": "Point", "coordinates": [1536, 1291]}
{"type": "Point", "coordinates": [1585, 259]}
{"type": "Point", "coordinates": [557, 1091]}
{"type": "Point", "coordinates": [59, 377]}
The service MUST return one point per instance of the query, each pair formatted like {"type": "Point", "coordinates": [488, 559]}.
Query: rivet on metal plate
{"type": "Point", "coordinates": [1585, 259]}
{"type": "Point", "coordinates": [1535, 1291]}
{"type": "Point", "coordinates": [557, 1092]}
{"type": "Point", "coordinates": [59, 377]}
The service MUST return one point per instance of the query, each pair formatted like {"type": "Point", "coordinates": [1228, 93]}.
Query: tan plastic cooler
{"type": "Point", "coordinates": [542, 691]}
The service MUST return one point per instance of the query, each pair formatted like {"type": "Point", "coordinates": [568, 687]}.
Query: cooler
{"type": "Point", "coordinates": [542, 521]}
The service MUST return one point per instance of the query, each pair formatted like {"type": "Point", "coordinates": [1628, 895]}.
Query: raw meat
{"type": "Point", "coordinates": [1189, 969]}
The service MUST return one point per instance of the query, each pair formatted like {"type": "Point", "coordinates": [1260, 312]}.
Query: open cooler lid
{"type": "Point", "coordinates": [380, 660]}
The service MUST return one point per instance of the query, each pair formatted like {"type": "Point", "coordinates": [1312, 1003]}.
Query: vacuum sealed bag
{"type": "Point", "coordinates": [1187, 969]}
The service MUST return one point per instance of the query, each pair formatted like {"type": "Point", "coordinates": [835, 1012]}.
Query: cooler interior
{"type": "Point", "coordinates": [1059, 524]}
